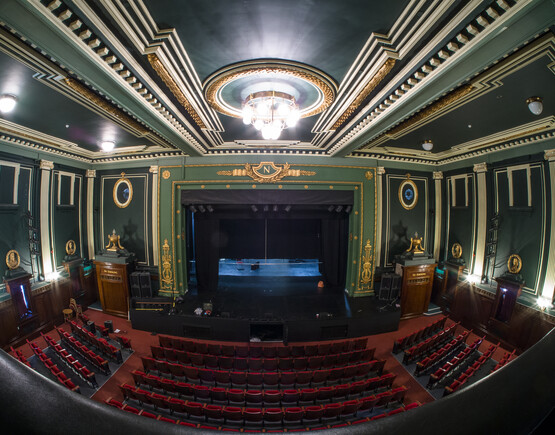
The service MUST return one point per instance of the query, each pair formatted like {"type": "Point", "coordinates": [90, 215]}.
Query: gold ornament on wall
{"type": "Point", "coordinates": [514, 264]}
{"type": "Point", "coordinates": [267, 172]}
{"type": "Point", "coordinates": [408, 193]}
{"type": "Point", "coordinates": [114, 244]}
{"type": "Point", "coordinates": [456, 250]}
{"type": "Point", "coordinates": [70, 247]}
{"type": "Point", "coordinates": [166, 174]}
{"type": "Point", "coordinates": [167, 276]}
{"type": "Point", "coordinates": [366, 274]}
{"type": "Point", "coordinates": [12, 259]}
{"type": "Point", "coordinates": [123, 192]}
{"type": "Point", "coordinates": [369, 175]}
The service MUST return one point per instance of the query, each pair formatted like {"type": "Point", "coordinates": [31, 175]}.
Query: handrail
{"type": "Point", "coordinates": [514, 399]}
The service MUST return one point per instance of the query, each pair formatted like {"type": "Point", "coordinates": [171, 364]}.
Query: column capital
{"type": "Point", "coordinates": [380, 170]}
{"type": "Point", "coordinates": [46, 164]}
{"type": "Point", "coordinates": [438, 175]}
{"type": "Point", "coordinates": [91, 173]}
{"type": "Point", "coordinates": [481, 167]}
{"type": "Point", "coordinates": [549, 155]}
{"type": "Point", "coordinates": [153, 169]}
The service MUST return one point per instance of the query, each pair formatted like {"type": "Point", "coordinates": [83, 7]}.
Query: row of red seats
{"type": "Point", "coordinates": [59, 374]}
{"type": "Point", "coordinates": [68, 359]}
{"type": "Point", "coordinates": [431, 362]}
{"type": "Point", "coordinates": [414, 337]}
{"type": "Point", "coordinates": [449, 368]}
{"type": "Point", "coordinates": [125, 407]}
{"type": "Point", "coordinates": [257, 350]}
{"type": "Point", "coordinates": [197, 411]}
{"type": "Point", "coordinates": [507, 357]}
{"type": "Point", "coordinates": [464, 377]}
{"type": "Point", "coordinates": [96, 360]}
{"type": "Point", "coordinates": [100, 343]}
{"type": "Point", "coordinates": [428, 345]}
{"type": "Point", "coordinates": [250, 394]}
{"type": "Point", "coordinates": [17, 354]}
{"type": "Point", "coordinates": [225, 377]}
{"type": "Point", "coordinates": [124, 342]}
{"type": "Point", "coordinates": [259, 364]}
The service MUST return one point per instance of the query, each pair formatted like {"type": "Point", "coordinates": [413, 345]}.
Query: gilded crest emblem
{"type": "Point", "coordinates": [267, 172]}
{"type": "Point", "coordinates": [12, 259]}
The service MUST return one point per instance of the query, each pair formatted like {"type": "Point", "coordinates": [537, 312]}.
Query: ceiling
{"type": "Point", "coordinates": [403, 71]}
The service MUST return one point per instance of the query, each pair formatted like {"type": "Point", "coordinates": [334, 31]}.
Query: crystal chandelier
{"type": "Point", "coordinates": [270, 112]}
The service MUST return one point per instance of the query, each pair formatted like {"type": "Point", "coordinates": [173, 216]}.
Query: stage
{"type": "Point", "coordinates": [267, 308]}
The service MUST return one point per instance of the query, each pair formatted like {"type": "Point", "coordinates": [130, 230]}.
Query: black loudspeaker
{"type": "Point", "coordinates": [108, 324]}
{"type": "Point", "coordinates": [144, 282]}
{"type": "Point", "coordinates": [135, 285]}
{"type": "Point", "coordinates": [395, 287]}
{"type": "Point", "coordinates": [91, 326]}
{"type": "Point", "coordinates": [385, 286]}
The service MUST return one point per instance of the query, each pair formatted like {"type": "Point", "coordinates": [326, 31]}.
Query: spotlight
{"type": "Point", "coordinates": [201, 208]}
{"type": "Point", "coordinates": [275, 208]}
{"type": "Point", "coordinates": [535, 105]}
{"type": "Point", "coordinates": [193, 208]}
{"type": "Point", "coordinates": [348, 209]}
{"type": "Point", "coordinates": [338, 208]}
{"type": "Point", "coordinates": [427, 145]}
{"type": "Point", "coordinates": [254, 208]}
{"type": "Point", "coordinates": [209, 208]}
{"type": "Point", "coordinates": [107, 145]}
{"type": "Point", "coordinates": [287, 208]}
{"type": "Point", "coordinates": [473, 279]}
{"type": "Point", "coordinates": [544, 303]}
{"type": "Point", "coordinates": [266, 207]}
{"type": "Point", "coordinates": [7, 103]}
{"type": "Point", "coordinates": [331, 208]}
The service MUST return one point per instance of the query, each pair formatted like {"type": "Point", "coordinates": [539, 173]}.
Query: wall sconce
{"type": "Point", "coordinates": [7, 103]}
{"type": "Point", "coordinates": [543, 303]}
{"type": "Point", "coordinates": [427, 145]}
{"type": "Point", "coordinates": [535, 105]}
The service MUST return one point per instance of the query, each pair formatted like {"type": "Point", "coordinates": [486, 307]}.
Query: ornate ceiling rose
{"type": "Point", "coordinates": [227, 89]}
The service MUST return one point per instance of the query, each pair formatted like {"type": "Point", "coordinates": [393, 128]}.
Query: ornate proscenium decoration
{"type": "Point", "coordinates": [416, 245]}
{"type": "Point", "coordinates": [366, 274]}
{"type": "Point", "coordinates": [267, 172]}
{"type": "Point", "coordinates": [167, 276]}
{"type": "Point", "coordinates": [270, 94]}
{"type": "Point", "coordinates": [114, 244]}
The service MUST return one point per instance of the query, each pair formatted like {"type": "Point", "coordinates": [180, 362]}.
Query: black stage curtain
{"type": "Point", "coordinates": [207, 250]}
{"type": "Point", "coordinates": [334, 251]}
{"type": "Point", "coordinates": [226, 196]}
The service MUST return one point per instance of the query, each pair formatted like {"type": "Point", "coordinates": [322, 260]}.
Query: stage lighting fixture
{"type": "Point", "coordinates": [254, 208]}
{"type": "Point", "coordinates": [339, 208]}
{"type": "Point", "coordinates": [331, 208]}
{"type": "Point", "coordinates": [348, 209]}
{"type": "Point", "coordinates": [287, 208]}
{"type": "Point", "coordinates": [275, 208]}
{"type": "Point", "coordinates": [209, 208]}
{"type": "Point", "coordinates": [201, 208]}
{"type": "Point", "coordinates": [266, 207]}
{"type": "Point", "coordinates": [193, 208]}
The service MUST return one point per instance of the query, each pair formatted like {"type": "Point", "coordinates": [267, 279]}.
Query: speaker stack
{"type": "Point", "coordinates": [140, 285]}
{"type": "Point", "coordinates": [390, 287]}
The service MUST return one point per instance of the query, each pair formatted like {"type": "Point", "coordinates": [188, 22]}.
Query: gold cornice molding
{"type": "Point", "coordinates": [370, 86]}
{"type": "Point", "coordinates": [105, 106]}
{"type": "Point", "coordinates": [221, 78]}
{"type": "Point", "coordinates": [163, 73]}
{"type": "Point", "coordinates": [440, 105]}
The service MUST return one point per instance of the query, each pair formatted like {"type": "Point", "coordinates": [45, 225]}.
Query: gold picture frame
{"type": "Point", "coordinates": [71, 247]}
{"type": "Point", "coordinates": [411, 202]}
{"type": "Point", "coordinates": [123, 192]}
{"type": "Point", "coordinates": [514, 263]}
{"type": "Point", "coordinates": [456, 250]}
{"type": "Point", "coordinates": [12, 259]}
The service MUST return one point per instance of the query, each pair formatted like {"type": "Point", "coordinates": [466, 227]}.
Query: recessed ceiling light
{"type": "Point", "coordinates": [427, 145]}
{"type": "Point", "coordinates": [7, 103]}
{"type": "Point", "coordinates": [107, 145]}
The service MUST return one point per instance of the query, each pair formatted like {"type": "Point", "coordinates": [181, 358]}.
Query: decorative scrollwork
{"type": "Point", "coordinates": [167, 275]}
{"type": "Point", "coordinates": [267, 172]}
{"type": "Point", "coordinates": [366, 274]}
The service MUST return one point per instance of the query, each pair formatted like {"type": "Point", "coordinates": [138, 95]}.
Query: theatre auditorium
{"type": "Point", "coordinates": [281, 216]}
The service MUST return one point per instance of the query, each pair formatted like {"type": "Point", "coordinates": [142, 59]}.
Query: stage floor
{"type": "Point", "coordinates": [269, 267]}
